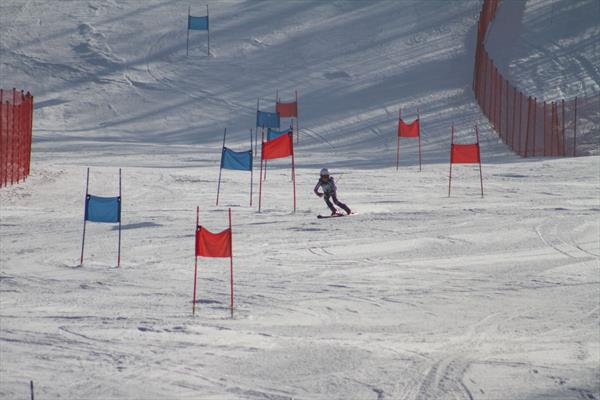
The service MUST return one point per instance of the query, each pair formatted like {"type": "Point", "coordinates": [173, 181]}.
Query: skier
{"type": "Point", "coordinates": [329, 191]}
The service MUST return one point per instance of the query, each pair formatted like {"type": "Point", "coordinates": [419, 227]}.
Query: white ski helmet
{"type": "Point", "coordinates": [324, 172]}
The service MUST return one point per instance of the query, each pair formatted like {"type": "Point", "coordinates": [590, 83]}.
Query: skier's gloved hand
{"type": "Point", "coordinates": [320, 194]}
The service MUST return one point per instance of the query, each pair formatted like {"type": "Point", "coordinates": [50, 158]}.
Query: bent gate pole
{"type": "Point", "coordinates": [87, 183]}
{"type": "Point", "coordinates": [208, 31]}
{"type": "Point", "coordinates": [187, 46]}
{"type": "Point", "coordinates": [195, 259]}
{"type": "Point", "coordinates": [221, 167]}
{"type": "Point", "coordinates": [261, 171]}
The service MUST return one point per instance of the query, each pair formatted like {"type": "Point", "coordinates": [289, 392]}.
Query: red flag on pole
{"type": "Point", "coordinates": [465, 154]}
{"type": "Point", "coordinates": [210, 244]}
{"type": "Point", "coordinates": [412, 130]}
{"type": "Point", "coordinates": [287, 110]}
{"type": "Point", "coordinates": [279, 147]}
{"type": "Point", "coordinates": [409, 130]}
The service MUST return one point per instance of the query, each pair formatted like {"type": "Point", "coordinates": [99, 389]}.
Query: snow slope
{"type": "Point", "coordinates": [420, 296]}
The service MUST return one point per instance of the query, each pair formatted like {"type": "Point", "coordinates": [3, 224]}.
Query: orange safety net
{"type": "Point", "coordinates": [16, 113]}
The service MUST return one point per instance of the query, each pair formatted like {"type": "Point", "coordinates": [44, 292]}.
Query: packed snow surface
{"type": "Point", "coordinates": [419, 296]}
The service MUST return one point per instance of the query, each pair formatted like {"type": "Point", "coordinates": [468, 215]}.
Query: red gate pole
{"type": "Point", "coordinates": [22, 137]}
{"type": "Point", "coordinates": [262, 141]}
{"type": "Point", "coordinates": [13, 138]}
{"type": "Point", "coordinates": [484, 85]}
{"type": "Point", "coordinates": [6, 145]}
{"type": "Point", "coordinates": [7, 135]}
{"type": "Point", "coordinates": [30, 133]}
{"type": "Point", "coordinates": [18, 109]}
{"type": "Point", "coordinates": [534, 130]}
{"type": "Point", "coordinates": [492, 114]}
{"type": "Point", "coordinates": [197, 230]}
{"type": "Point", "coordinates": [497, 99]}
{"type": "Point", "coordinates": [499, 102]}
{"type": "Point", "coordinates": [550, 135]}
{"type": "Point", "coordinates": [251, 168]}
{"type": "Point", "coordinates": [221, 166]}
{"type": "Point", "coordinates": [398, 133]}
{"type": "Point", "coordinates": [479, 156]}
{"type": "Point", "coordinates": [292, 130]}
{"type": "Point", "coordinates": [545, 135]}
{"type": "Point", "coordinates": [450, 174]}
{"type": "Point", "coordinates": [514, 117]}
{"type": "Point", "coordinates": [534, 123]}
{"type": "Point", "coordinates": [528, 120]}
{"type": "Point", "coordinates": [87, 183]}
{"type": "Point", "coordinates": [2, 147]}
{"type": "Point", "coordinates": [555, 128]}
{"type": "Point", "coordinates": [293, 171]}
{"type": "Point", "coordinates": [419, 118]}
{"type": "Point", "coordinates": [24, 130]}
{"type": "Point", "coordinates": [521, 152]}
{"type": "Point", "coordinates": [491, 91]}
{"type": "Point", "coordinates": [564, 153]}
{"type": "Point", "coordinates": [506, 96]}
{"type": "Point", "coordinates": [120, 213]}
{"type": "Point", "coordinates": [488, 88]}
{"type": "Point", "coordinates": [297, 116]}
{"type": "Point", "coordinates": [478, 71]}
{"type": "Point", "coordinates": [257, 126]}
{"type": "Point", "coordinates": [575, 130]}
{"type": "Point", "coordinates": [231, 264]}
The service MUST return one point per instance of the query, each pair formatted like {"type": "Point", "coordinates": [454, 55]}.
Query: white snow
{"type": "Point", "coordinates": [419, 296]}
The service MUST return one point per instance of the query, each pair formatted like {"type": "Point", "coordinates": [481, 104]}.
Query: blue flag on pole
{"type": "Point", "coordinates": [267, 119]}
{"type": "Point", "coordinates": [102, 209]}
{"type": "Point", "coordinates": [272, 134]}
{"type": "Point", "coordinates": [198, 23]}
{"type": "Point", "coordinates": [241, 160]}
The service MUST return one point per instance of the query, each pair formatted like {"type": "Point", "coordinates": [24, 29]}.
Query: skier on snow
{"type": "Point", "coordinates": [327, 184]}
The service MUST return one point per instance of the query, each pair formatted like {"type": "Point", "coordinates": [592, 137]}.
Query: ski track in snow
{"type": "Point", "coordinates": [418, 296]}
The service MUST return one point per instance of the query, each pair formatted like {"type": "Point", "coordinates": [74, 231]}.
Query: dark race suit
{"type": "Point", "coordinates": [329, 192]}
